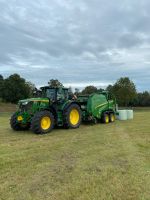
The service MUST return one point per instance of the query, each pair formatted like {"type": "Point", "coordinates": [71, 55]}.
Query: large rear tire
{"type": "Point", "coordinates": [72, 116]}
{"type": "Point", "coordinates": [42, 122]}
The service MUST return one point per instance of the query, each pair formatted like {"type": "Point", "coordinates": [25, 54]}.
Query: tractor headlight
{"type": "Point", "coordinates": [25, 103]}
{"type": "Point", "coordinates": [25, 106]}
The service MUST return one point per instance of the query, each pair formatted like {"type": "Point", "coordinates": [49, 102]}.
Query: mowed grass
{"type": "Point", "coordinates": [99, 162]}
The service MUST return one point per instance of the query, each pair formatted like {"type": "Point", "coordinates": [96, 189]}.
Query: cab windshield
{"type": "Point", "coordinates": [55, 94]}
{"type": "Point", "coordinates": [50, 93]}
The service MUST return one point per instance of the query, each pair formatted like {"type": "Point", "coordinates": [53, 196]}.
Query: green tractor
{"type": "Point", "coordinates": [53, 108]}
{"type": "Point", "coordinates": [56, 108]}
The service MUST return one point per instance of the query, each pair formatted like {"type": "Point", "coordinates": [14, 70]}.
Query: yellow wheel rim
{"type": "Point", "coordinates": [45, 123]}
{"type": "Point", "coordinates": [112, 118]}
{"type": "Point", "coordinates": [107, 119]}
{"type": "Point", "coordinates": [19, 118]}
{"type": "Point", "coordinates": [74, 116]}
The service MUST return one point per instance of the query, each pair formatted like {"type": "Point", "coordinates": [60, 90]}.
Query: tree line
{"type": "Point", "coordinates": [15, 87]}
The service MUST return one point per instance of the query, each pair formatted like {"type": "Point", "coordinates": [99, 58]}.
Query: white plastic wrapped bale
{"type": "Point", "coordinates": [122, 114]}
{"type": "Point", "coordinates": [129, 114]}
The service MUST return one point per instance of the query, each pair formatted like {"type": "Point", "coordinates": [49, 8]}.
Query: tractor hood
{"type": "Point", "coordinates": [26, 101]}
{"type": "Point", "coordinates": [33, 104]}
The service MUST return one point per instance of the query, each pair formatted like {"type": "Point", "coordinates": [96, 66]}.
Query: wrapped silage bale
{"type": "Point", "coordinates": [129, 114]}
{"type": "Point", "coordinates": [122, 115]}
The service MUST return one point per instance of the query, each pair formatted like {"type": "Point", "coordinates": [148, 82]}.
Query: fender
{"type": "Point", "coordinates": [69, 103]}
{"type": "Point", "coordinates": [52, 110]}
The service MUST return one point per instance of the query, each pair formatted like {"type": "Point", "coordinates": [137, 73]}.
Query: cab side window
{"type": "Point", "coordinates": [60, 94]}
{"type": "Point", "coordinates": [66, 94]}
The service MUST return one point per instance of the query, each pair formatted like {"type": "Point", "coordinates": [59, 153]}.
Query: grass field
{"type": "Point", "coordinates": [100, 162]}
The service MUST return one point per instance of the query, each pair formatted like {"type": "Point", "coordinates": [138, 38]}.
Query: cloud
{"type": "Point", "coordinates": [79, 42]}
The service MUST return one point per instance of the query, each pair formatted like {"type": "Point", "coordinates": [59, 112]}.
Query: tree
{"type": "Point", "coordinates": [89, 89]}
{"type": "Point", "coordinates": [1, 77]}
{"type": "Point", "coordinates": [1, 85]}
{"type": "Point", "coordinates": [100, 90]}
{"type": "Point", "coordinates": [55, 83]}
{"type": "Point", "coordinates": [143, 99]}
{"type": "Point", "coordinates": [77, 92]}
{"type": "Point", "coordinates": [32, 87]}
{"type": "Point", "coordinates": [124, 90]}
{"type": "Point", "coordinates": [15, 88]}
{"type": "Point", "coordinates": [109, 88]}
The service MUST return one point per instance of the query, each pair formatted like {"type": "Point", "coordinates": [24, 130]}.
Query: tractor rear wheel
{"type": "Point", "coordinates": [111, 117]}
{"type": "Point", "coordinates": [105, 118]}
{"type": "Point", "coordinates": [72, 116]}
{"type": "Point", "coordinates": [42, 122]}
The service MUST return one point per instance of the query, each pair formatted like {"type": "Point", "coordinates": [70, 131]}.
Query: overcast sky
{"type": "Point", "coordinates": [79, 42]}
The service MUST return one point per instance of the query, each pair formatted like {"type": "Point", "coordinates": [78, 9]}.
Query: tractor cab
{"type": "Point", "coordinates": [55, 94]}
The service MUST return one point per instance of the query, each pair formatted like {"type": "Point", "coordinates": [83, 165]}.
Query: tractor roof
{"type": "Point", "coordinates": [49, 87]}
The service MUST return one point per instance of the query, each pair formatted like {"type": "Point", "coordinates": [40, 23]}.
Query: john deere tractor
{"type": "Point", "coordinates": [56, 108]}
{"type": "Point", "coordinates": [53, 108]}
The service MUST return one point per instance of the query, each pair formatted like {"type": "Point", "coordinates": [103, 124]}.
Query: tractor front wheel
{"type": "Point", "coordinates": [42, 122]}
{"type": "Point", "coordinates": [16, 126]}
{"type": "Point", "coordinates": [73, 116]}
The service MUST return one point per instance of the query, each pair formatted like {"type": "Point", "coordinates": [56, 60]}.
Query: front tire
{"type": "Point", "coordinates": [42, 122]}
{"type": "Point", "coordinates": [16, 126]}
{"type": "Point", "coordinates": [73, 116]}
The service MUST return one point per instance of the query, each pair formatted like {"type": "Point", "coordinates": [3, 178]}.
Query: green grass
{"type": "Point", "coordinates": [100, 162]}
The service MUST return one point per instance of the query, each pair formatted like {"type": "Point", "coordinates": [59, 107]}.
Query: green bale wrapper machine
{"type": "Point", "coordinates": [56, 108]}
{"type": "Point", "coordinates": [98, 107]}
